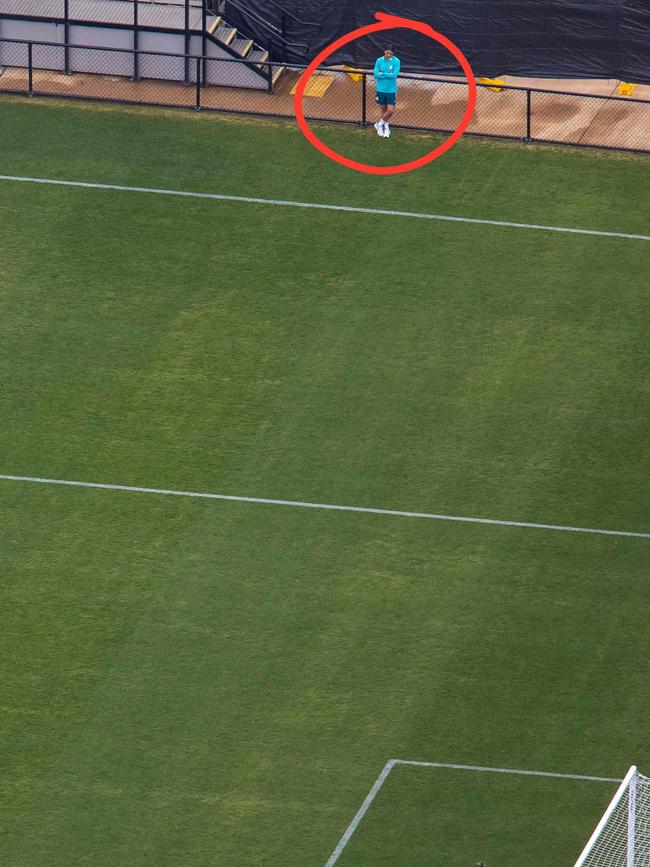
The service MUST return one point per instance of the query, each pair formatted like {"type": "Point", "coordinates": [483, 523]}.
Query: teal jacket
{"type": "Point", "coordinates": [387, 81]}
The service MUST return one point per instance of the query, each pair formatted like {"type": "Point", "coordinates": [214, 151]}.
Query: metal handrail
{"type": "Point", "coordinates": [297, 66]}
{"type": "Point", "coordinates": [139, 51]}
{"type": "Point", "coordinates": [135, 3]}
{"type": "Point", "coordinates": [194, 4]}
{"type": "Point", "coordinates": [40, 43]}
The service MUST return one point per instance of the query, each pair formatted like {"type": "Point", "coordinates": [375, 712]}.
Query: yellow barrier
{"type": "Point", "coordinates": [625, 89]}
{"type": "Point", "coordinates": [353, 73]}
{"type": "Point", "coordinates": [496, 84]}
{"type": "Point", "coordinates": [318, 85]}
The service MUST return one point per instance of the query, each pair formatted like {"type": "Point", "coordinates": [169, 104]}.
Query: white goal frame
{"type": "Point", "coordinates": [628, 782]}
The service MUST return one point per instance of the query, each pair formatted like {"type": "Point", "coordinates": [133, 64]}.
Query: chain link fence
{"type": "Point", "coordinates": [424, 103]}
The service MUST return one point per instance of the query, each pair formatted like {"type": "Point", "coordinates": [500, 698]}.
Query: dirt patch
{"type": "Point", "coordinates": [556, 112]}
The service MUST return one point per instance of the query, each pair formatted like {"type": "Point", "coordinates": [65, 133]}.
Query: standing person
{"type": "Point", "coordinates": [386, 71]}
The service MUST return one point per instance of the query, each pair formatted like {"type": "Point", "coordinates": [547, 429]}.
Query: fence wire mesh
{"type": "Point", "coordinates": [598, 121]}
{"type": "Point", "coordinates": [623, 835]}
{"type": "Point", "coordinates": [260, 87]}
{"type": "Point", "coordinates": [14, 66]}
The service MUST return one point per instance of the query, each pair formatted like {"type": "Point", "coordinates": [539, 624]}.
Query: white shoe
{"type": "Point", "coordinates": [379, 126]}
{"type": "Point", "coordinates": [386, 132]}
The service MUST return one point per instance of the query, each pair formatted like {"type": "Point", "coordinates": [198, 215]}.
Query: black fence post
{"type": "Point", "coordinates": [204, 39]}
{"type": "Point", "coordinates": [269, 80]}
{"type": "Point", "coordinates": [187, 41]}
{"type": "Point", "coordinates": [197, 106]}
{"type": "Point", "coordinates": [529, 96]}
{"type": "Point", "coordinates": [136, 40]}
{"type": "Point", "coordinates": [364, 100]}
{"type": "Point", "coordinates": [30, 67]}
{"type": "Point", "coordinates": [66, 36]}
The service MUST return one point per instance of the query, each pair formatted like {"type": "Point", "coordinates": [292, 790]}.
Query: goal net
{"type": "Point", "coordinates": [622, 837]}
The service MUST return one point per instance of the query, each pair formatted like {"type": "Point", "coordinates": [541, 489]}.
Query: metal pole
{"type": "Point", "coordinates": [204, 27]}
{"type": "Point", "coordinates": [30, 74]}
{"type": "Point", "coordinates": [364, 100]}
{"type": "Point", "coordinates": [608, 812]}
{"type": "Point", "coordinates": [136, 40]}
{"type": "Point", "coordinates": [631, 823]}
{"type": "Point", "coordinates": [187, 41]}
{"type": "Point", "coordinates": [197, 106]}
{"type": "Point", "coordinates": [66, 36]}
{"type": "Point", "coordinates": [528, 115]}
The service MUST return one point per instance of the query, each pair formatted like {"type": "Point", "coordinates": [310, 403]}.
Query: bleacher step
{"type": "Point", "coordinates": [224, 33]}
{"type": "Point", "coordinates": [258, 56]}
{"type": "Point", "coordinates": [242, 46]}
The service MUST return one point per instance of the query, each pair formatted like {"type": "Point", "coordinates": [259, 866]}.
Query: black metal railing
{"type": "Point", "coordinates": [151, 13]}
{"type": "Point", "coordinates": [425, 103]}
{"type": "Point", "coordinates": [189, 17]}
{"type": "Point", "coordinates": [182, 16]}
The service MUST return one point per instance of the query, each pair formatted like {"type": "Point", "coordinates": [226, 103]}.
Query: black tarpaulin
{"type": "Point", "coordinates": [544, 38]}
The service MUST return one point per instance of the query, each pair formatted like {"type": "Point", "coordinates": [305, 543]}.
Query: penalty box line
{"type": "Point", "coordinates": [388, 767]}
{"type": "Point", "coordinates": [381, 212]}
{"type": "Point", "coordinates": [324, 506]}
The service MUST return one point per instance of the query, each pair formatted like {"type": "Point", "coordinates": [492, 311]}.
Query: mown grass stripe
{"type": "Point", "coordinates": [414, 215]}
{"type": "Point", "coordinates": [388, 767]}
{"type": "Point", "coordinates": [328, 506]}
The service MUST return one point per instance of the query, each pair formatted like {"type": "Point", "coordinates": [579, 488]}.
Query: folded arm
{"type": "Point", "coordinates": [396, 68]}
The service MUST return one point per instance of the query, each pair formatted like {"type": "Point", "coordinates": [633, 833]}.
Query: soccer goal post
{"type": "Point", "coordinates": [622, 837]}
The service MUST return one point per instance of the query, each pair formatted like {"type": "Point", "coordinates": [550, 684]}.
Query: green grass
{"type": "Point", "coordinates": [503, 818]}
{"type": "Point", "coordinates": [200, 682]}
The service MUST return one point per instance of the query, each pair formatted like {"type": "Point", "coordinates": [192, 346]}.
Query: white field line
{"type": "Point", "coordinates": [316, 206]}
{"type": "Point", "coordinates": [361, 812]}
{"type": "Point", "coordinates": [327, 506]}
{"type": "Point", "coordinates": [507, 771]}
{"type": "Point", "coordinates": [388, 767]}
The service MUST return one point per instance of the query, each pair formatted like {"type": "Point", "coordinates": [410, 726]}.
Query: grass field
{"type": "Point", "coordinates": [201, 682]}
